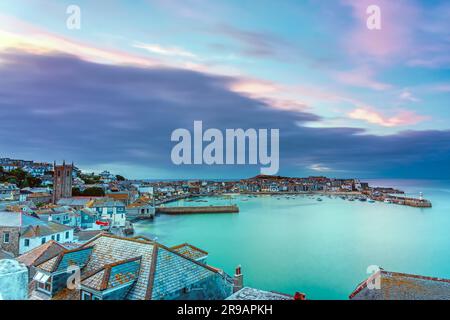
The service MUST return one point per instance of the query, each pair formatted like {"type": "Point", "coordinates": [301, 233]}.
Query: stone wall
{"type": "Point", "coordinates": [13, 245]}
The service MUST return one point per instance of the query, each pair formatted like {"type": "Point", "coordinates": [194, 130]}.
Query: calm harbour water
{"type": "Point", "coordinates": [320, 248]}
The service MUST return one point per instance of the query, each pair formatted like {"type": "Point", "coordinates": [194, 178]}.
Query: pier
{"type": "Point", "coordinates": [412, 202]}
{"type": "Point", "coordinates": [198, 210]}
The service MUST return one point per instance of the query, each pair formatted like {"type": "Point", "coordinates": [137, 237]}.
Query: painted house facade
{"type": "Point", "coordinates": [9, 192]}
{"type": "Point", "coordinates": [140, 208]}
{"type": "Point", "coordinates": [20, 232]}
{"type": "Point", "coordinates": [110, 210]}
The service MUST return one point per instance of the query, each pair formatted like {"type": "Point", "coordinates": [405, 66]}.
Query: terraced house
{"type": "Point", "coordinates": [109, 210]}
{"type": "Point", "coordinates": [20, 232]}
{"type": "Point", "coordinates": [115, 268]}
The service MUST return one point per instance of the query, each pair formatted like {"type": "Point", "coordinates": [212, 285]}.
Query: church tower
{"type": "Point", "coordinates": [62, 181]}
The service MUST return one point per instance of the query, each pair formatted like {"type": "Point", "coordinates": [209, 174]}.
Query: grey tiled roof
{"type": "Point", "coordinates": [121, 273]}
{"type": "Point", "coordinates": [247, 293]}
{"type": "Point", "coordinates": [190, 251]}
{"type": "Point", "coordinates": [402, 286]}
{"type": "Point", "coordinates": [30, 227]}
{"type": "Point", "coordinates": [73, 201]}
{"type": "Point", "coordinates": [174, 272]}
{"type": "Point", "coordinates": [109, 250]}
{"type": "Point", "coordinates": [161, 271]}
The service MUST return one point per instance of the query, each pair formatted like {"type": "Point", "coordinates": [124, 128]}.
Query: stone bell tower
{"type": "Point", "coordinates": [62, 181]}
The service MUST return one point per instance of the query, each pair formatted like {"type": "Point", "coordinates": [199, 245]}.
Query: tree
{"type": "Point", "coordinates": [88, 192]}
{"type": "Point", "coordinates": [120, 178]}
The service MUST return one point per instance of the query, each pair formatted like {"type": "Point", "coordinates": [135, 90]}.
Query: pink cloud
{"type": "Point", "coordinates": [361, 77]}
{"type": "Point", "coordinates": [395, 36]}
{"type": "Point", "coordinates": [402, 118]}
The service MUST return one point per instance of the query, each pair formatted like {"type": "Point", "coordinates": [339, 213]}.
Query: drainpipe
{"type": "Point", "coordinates": [238, 279]}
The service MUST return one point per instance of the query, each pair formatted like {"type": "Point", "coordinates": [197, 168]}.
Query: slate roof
{"type": "Point", "coordinates": [174, 272]}
{"type": "Point", "coordinates": [44, 230]}
{"type": "Point", "coordinates": [60, 262]}
{"type": "Point", "coordinates": [30, 227]}
{"type": "Point", "coordinates": [105, 202]}
{"type": "Point", "coordinates": [402, 286]}
{"type": "Point", "coordinates": [74, 201]}
{"type": "Point", "coordinates": [114, 275]}
{"type": "Point", "coordinates": [41, 253]}
{"type": "Point", "coordinates": [86, 235]}
{"type": "Point", "coordinates": [162, 271]}
{"type": "Point", "coordinates": [55, 210]}
{"type": "Point", "coordinates": [138, 204]}
{"type": "Point", "coordinates": [190, 251]}
{"type": "Point", "coordinates": [247, 293]}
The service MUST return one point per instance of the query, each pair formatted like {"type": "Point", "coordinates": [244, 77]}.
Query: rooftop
{"type": "Point", "coordinates": [162, 271]}
{"type": "Point", "coordinates": [403, 286]}
{"type": "Point", "coordinates": [41, 253]}
{"type": "Point", "coordinates": [247, 293]}
{"type": "Point", "coordinates": [190, 251]}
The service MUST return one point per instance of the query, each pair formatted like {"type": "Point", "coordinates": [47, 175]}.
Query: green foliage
{"type": "Point", "coordinates": [120, 178]}
{"type": "Point", "coordinates": [90, 178]}
{"type": "Point", "coordinates": [20, 178]}
{"type": "Point", "coordinates": [88, 192]}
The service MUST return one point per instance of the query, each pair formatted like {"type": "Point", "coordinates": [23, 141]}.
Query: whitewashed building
{"type": "Point", "coordinates": [20, 232]}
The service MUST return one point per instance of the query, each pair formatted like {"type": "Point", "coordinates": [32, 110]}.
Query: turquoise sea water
{"type": "Point", "coordinates": [320, 248]}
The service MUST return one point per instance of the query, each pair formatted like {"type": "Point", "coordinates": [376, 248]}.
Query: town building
{"type": "Point", "coordinates": [40, 254]}
{"type": "Point", "coordinates": [20, 232]}
{"type": "Point", "coordinates": [141, 208]}
{"type": "Point", "coordinates": [109, 210]}
{"type": "Point", "coordinates": [40, 198]}
{"type": "Point", "coordinates": [115, 268]}
{"type": "Point", "coordinates": [60, 214]}
{"type": "Point", "coordinates": [38, 170]}
{"type": "Point", "coordinates": [9, 192]}
{"type": "Point", "coordinates": [76, 202]}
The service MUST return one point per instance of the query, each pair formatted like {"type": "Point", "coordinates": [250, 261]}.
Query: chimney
{"type": "Point", "coordinates": [238, 279]}
{"type": "Point", "coordinates": [299, 296]}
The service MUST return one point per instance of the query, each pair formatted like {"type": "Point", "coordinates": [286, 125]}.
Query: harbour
{"type": "Point", "coordinates": [325, 246]}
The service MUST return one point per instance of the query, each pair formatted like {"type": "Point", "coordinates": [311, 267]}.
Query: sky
{"type": "Point", "coordinates": [348, 101]}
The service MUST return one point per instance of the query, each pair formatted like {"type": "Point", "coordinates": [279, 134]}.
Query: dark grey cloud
{"type": "Point", "coordinates": [60, 107]}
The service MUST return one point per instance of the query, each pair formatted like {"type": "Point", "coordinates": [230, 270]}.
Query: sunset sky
{"type": "Point", "coordinates": [348, 101]}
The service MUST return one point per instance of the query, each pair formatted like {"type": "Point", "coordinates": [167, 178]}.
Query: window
{"type": "Point", "coordinates": [67, 234]}
{"type": "Point", "coordinates": [53, 237]}
{"type": "Point", "coordinates": [26, 243]}
{"type": "Point", "coordinates": [44, 282]}
{"type": "Point", "coordinates": [58, 237]}
{"type": "Point", "coordinates": [86, 295]}
{"type": "Point", "coordinates": [6, 237]}
{"type": "Point", "coordinates": [43, 240]}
